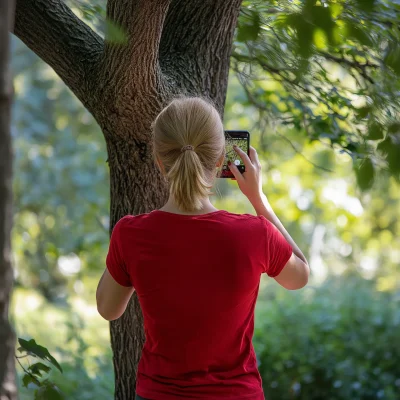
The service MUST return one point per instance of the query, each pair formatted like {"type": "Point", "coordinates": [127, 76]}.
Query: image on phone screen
{"type": "Point", "coordinates": [241, 140]}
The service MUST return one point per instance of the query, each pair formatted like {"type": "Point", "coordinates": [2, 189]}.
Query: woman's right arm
{"type": "Point", "coordinates": [295, 273]}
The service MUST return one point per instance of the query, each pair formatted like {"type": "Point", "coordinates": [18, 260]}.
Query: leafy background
{"type": "Point", "coordinates": [317, 85]}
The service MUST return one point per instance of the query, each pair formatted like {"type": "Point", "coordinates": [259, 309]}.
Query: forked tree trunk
{"type": "Point", "coordinates": [8, 390]}
{"type": "Point", "coordinates": [173, 47]}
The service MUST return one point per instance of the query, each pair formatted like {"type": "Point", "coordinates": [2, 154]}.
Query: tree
{"type": "Point", "coordinates": [164, 48]}
{"type": "Point", "coordinates": [172, 47]}
{"type": "Point", "coordinates": [8, 389]}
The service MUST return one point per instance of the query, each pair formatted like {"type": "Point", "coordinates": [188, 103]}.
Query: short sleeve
{"type": "Point", "coordinates": [277, 250]}
{"type": "Point", "coordinates": [115, 261]}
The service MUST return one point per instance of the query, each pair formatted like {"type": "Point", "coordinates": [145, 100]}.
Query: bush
{"type": "Point", "coordinates": [340, 341]}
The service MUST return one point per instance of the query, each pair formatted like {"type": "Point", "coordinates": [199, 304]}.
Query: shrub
{"type": "Point", "coordinates": [340, 341]}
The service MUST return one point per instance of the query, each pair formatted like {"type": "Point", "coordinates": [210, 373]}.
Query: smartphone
{"type": "Point", "coordinates": [242, 140]}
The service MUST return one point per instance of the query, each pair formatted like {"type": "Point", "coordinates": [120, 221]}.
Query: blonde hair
{"type": "Point", "coordinates": [189, 122]}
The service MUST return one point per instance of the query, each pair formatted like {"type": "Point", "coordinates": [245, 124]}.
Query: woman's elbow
{"type": "Point", "coordinates": [299, 284]}
{"type": "Point", "coordinates": [105, 310]}
{"type": "Point", "coordinates": [107, 314]}
{"type": "Point", "coordinates": [302, 280]}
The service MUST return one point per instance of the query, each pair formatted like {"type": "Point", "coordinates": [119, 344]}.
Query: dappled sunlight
{"type": "Point", "coordinates": [322, 109]}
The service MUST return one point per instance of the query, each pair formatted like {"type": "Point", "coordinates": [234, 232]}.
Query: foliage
{"type": "Point", "coordinates": [33, 375]}
{"type": "Point", "coordinates": [313, 117]}
{"type": "Point", "coordinates": [328, 68]}
{"type": "Point", "coordinates": [313, 191]}
{"type": "Point", "coordinates": [335, 342]}
{"type": "Point", "coordinates": [331, 70]}
{"type": "Point", "coordinates": [61, 190]}
{"type": "Point", "coordinates": [79, 339]}
{"type": "Point", "coordinates": [61, 182]}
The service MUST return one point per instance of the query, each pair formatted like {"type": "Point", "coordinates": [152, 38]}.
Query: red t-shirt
{"type": "Point", "coordinates": [197, 280]}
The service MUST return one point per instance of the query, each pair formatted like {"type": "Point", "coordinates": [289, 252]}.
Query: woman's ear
{"type": "Point", "coordinates": [160, 165]}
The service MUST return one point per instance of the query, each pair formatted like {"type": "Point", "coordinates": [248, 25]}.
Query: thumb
{"type": "Point", "coordinates": [234, 169]}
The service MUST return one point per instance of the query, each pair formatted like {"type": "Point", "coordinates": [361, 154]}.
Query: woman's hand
{"type": "Point", "coordinates": [250, 182]}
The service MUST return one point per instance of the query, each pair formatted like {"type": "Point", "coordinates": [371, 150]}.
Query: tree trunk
{"type": "Point", "coordinates": [173, 47]}
{"type": "Point", "coordinates": [8, 390]}
{"type": "Point", "coordinates": [194, 59]}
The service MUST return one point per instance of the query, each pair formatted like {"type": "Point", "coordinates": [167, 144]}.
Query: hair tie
{"type": "Point", "coordinates": [187, 147]}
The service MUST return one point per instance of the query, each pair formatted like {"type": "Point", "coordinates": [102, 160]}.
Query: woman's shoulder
{"type": "Point", "coordinates": [130, 220]}
{"type": "Point", "coordinates": [134, 220]}
{"type": "Point", "coordinates": [243, 219]}
{"type": "Point", "coordinates": [241, 216]}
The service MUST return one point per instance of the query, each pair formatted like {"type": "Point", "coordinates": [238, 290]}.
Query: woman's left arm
{"type": "Point", "coordinates": [112, 298]}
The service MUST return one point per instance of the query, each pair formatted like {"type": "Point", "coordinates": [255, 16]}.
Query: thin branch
{"type": "Point", "coordinates": [62, 40]}
{"type": "Point", "coordinates": [33, 377]}
{"type": "Point", "coordinates": [302, 155]}
{"type": "Point", "coordinates": [360, 67]}
{"type": "Point", "coordinates": [103, 228]}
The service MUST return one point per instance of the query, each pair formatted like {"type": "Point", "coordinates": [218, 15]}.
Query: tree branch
{"type": "Point", "coordinates": [197, 36]}
{"type": "Point", "coordinates": [360, 67]}
{"type": "Point", "coordinates": [142, 21]}
{"type": "Point", "coordinates": [62, 40]}
{"type": "Point", "coordinates": [294, 147]}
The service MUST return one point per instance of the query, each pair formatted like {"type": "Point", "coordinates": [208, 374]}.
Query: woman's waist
{"type": "Point", "coordinates": [221, 385]}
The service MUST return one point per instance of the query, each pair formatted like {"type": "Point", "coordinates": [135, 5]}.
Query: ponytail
{"type": "Point", "coordinates": [188, 184]}
{"type": "Point", "coordinates": [194, 126]}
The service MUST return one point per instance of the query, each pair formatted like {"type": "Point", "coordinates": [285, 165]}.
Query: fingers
{"type": "Point", "coordinates": [236, 173]}
{"type": "Point", "coordinates": [245, 158]}
{"type": "Point", "coordinates": [254, 157]}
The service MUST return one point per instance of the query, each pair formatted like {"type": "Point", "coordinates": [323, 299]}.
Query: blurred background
{"type": "Point", "coordinates": [339, 338]}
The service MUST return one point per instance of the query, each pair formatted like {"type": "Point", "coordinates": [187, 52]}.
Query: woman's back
{"type": "Point", "coordinates": [197, 269]}
{"type": "Point", "coordinates": [197, 280]}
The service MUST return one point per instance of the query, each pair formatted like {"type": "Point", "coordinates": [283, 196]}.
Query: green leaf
{"type": "Point", "coordinates": [249, 28]}
{"type": "Point", "coordinates": [366, 5]}
{"type": "Point", "coordinates": [32, 347]}
{"type": "Point", "coordinates": [363, 112]}
{"type": "Point", "coordinates": [375, 131]}
{"type": "Point", "coordinates": [38, 367]}
{"type": "Point", "coordinates": [359, 34]}
{"type": "Point", "coordinates": [304, 33]}
{"type": "Point", "coordinates": [365, 174]}
{"type": "Point", "coordinates": [392, 59]}
{"type": "Point", "coordinates": [336, 9]}
{"type": "Point", "coordinates": [115, 33]}
{"type": "Point", "coordinates": [325, 158]}
{"type": "Point", "coordinates": [49, 392]}
{"type": "Point", "coordinates": [321, 17]}
{"type": "Point", "coordinates": [390, 147]}
{"type": "Point", "coordinates": [26, 380]}
{"type": "Point", "coordinates": [394, 127]}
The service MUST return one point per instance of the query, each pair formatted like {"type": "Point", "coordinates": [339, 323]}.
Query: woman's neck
{"type": "Point", "coordinates": [171, 206]}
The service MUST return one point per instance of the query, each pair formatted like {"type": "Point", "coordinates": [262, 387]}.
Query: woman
{"type": "Point", "coordinates": [196, 269]}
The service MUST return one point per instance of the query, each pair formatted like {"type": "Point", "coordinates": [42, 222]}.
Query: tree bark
{"type": "Point", "coordinates": [8, 390]}
{"type": "Point", "coordinates": [173, 47]}
{"type": "Point", "coordinates": [62, 40]}
{"type": "Point", "coordinates": [196, 46]}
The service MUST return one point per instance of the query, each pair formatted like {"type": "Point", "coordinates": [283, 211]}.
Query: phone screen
{"type": "Point", "coordinates": [241, 140]}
